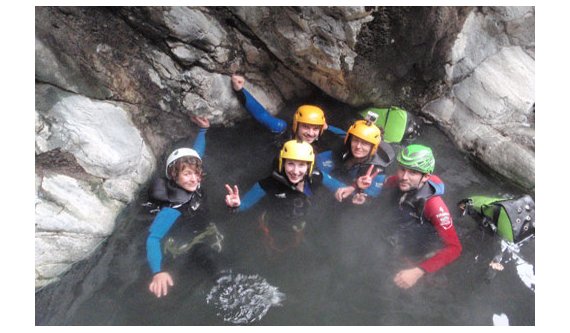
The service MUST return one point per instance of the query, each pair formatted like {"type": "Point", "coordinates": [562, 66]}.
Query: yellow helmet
{"type": "Point", "coordinates": [297, 150]}
{"type": "Point", "coordinates": [366, 131]}
{"type": "Point", "coordinates": [309, 114]}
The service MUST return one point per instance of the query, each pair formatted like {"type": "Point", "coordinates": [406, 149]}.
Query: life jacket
{"type": "Point", "coordinates": [512, 219]}
{"type": "Point", "coordinates": [343, 170]}
{"type": "Point", "coordinates": [165, 193]}
{"type": "Point", "coordinates": [413, 202]}
{"type": "Point", "coordinates": [193, 226]}
{"type": "Point", "coordinates": [412, 238]}
{"type": "Point", "coordinates": [285, 215]}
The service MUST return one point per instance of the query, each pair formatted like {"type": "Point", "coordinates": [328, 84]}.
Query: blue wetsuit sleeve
{"type": "Point", "coordinates": [200, 142]}
{"type": "Point", "coordinates": [252, 196]}
{"type": "Point", "coordinates": [324, 161]}
{"type": "Point", "coordinates": [259, 113]}
{"type": "Point", "coordinates": [331, 183]}
{"type": "Point", "coordinates": [336, 131]}
{"type": "Point", "coordinates": [159, 228]}
{"type": "Point", "coordinates": [376, 187]}
{"type": "Point", "coordinates": [325, 164]}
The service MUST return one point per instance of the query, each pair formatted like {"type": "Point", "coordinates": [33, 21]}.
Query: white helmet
{"type": "Point", "coordinates": [178, 153]}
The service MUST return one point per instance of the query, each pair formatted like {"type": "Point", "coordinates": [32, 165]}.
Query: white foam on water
{"type": "Point", "coordinates": [500, 320]}
{"type": "Point", "coordinates": [525, 270]}
{"type": "Point", "coordinates": [243, 299]}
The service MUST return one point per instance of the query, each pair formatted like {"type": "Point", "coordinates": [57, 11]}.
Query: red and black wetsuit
{"type": "Point", "coordinates": [426, 204]}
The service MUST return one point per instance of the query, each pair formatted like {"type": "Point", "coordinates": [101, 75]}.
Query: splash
{"type": "Point", "coordinates": [243, 299]}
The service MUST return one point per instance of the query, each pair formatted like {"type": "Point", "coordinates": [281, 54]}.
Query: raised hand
{"type": "Point", "coordinates": [232, 198]}
{"type": "Point", "coordinates": [238, 82]}
{"type": "Point", "coordinates": [202, 122]}
{"type": "Point", "coordinates": [364, 182]}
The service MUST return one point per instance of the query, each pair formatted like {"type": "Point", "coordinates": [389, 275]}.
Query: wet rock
{"type": "Point", "coordinates": [72, 218]}
{"type": "Point", "coordinates": [147, 70]}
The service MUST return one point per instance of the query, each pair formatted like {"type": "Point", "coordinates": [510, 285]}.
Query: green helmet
{"type": "Point", "coordinates": [417, 157]}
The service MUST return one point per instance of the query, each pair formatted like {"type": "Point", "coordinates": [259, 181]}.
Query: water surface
{"type": "Point", "coordinates": [342, 275]}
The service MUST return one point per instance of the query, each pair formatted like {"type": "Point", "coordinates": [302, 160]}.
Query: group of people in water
{"type": "Point", "coordinates": [355, 173]}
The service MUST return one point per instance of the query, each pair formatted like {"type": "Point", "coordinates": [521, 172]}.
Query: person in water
{"type": "Point", "coordinates": [347, 167]}
{"type": "Point", "coordinates": [288, 194]}
{"type": "Point", "coordinates": [309, 123]}
{"type": "Point", "coordinates": [358, 168]}
{"type": "Point", "coordinates": [181, 227]}
{"type": "Point", "coordinates": [418, 193]}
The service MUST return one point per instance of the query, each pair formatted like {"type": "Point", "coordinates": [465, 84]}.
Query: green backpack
{"type": "Point", "coordinates": [511, 219]}
{"type": "Point", "coordinates": [393, 121]}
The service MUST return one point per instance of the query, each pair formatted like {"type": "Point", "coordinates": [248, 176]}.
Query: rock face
{"type": "Point", "coordinates": [489, 110]}
{"type": "Point", "coordinates": [115, 87]}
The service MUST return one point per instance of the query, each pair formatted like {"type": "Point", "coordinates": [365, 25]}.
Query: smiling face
{"type": "Point", "coordinates": [188, 178]}
{"type": "Point", "coordinates": [296, 170]}
{"type": "Point", "coordinates": [409, 180]}
{"type": "Point", "coordinates": [308, 133]}
{"type": "Point", "coordinates": [360, 148]}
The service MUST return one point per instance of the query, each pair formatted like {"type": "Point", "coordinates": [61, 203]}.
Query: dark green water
{"type": "Point", "coordinates": [342, 275]}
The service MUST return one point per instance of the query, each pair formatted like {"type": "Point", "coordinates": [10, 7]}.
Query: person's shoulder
{"type": "Point", "coordinates": [435, 205]}
{"type": "Point", "coordinates": [391, 181]}
{"type": "Point", "coordinates": [435, 179]}
{"type": "Point", "coordinates": [157, 189]}
{"type": "Point", "coordinates": [268, 183]}
{"type": "Point", "coordinates": [437, 185]}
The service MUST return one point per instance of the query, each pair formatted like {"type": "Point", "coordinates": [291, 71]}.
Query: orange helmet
{"type": "Point", "coordinates": [309, 114]}
{"type": "Point", "coordinates": [366, 131]}
{"type": "Point", "coordinates": [297, 150]}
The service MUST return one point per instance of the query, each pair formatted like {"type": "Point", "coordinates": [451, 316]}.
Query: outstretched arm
{"type": "Point", "coordinates": [257, 111]}
{"type": "Point", "coordinates": [336, 131]}
{"type": "Point", "coordinates": [252, 196]}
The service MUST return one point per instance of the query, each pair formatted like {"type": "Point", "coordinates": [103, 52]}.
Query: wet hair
{"type": "Point", "coordinates": [180, 164]}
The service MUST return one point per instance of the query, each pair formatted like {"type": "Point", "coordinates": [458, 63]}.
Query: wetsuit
{"type": "Point", "coordinates": [426, 205]}
{"type": "Point", "coordinates": [326, 160]}
{"type": "Point", "coordinates": [276, 125]}
{"type": "Point", "coordinates": [285, 208]}
{"type": "Point", "coordinates": [343, 173]}
{"type": "Point", "coordinates": [183, 216]}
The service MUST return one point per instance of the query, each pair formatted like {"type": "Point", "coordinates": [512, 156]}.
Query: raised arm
{"type": "Point", "coordinates": [257, 111]}
{"type": "Point", "coordinates": [200, 141]}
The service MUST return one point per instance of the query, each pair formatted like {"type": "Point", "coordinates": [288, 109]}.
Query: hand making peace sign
{"type": "Point", "coordinates": [364, 182]}
{"type": "Point", "coordinates": [232, 198]}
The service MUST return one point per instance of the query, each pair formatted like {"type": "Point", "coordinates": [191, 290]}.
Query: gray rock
{"type": "Point", "coordinates": [72, 219]}
{"type": "Point", "coordinates": [99, 134]}
{"type": "Point", "coordinates": [116, 87]}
